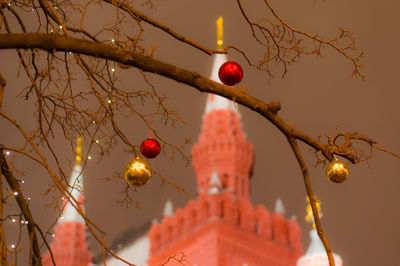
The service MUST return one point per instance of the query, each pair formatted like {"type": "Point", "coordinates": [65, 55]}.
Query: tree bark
{"type": "Point", "coordinates": [34, 254]}
{"type": "Point", "coordinates": [3, 245]}
{"type": "Point", "coordinates": [2, 86]}
{"type": "Point", "coordinates": [56, 42]}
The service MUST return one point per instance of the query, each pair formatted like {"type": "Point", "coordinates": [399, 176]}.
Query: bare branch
{"type": "Point", "coordinates": [312, 197]}
{"type": "Point", "coordinates": [35, 257]}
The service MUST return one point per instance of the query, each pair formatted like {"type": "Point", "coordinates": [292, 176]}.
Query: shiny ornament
{"type": "Point", "coordinates": [150, 148]}
{"type": "Point", "coordinates": [337, 171]}
{"type": "Point", "coordinates": [230, 73]}
{"type": "Point", "coordinates": [138, 172]}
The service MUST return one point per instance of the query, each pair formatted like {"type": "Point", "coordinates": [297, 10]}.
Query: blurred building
{"type": "Point", "coordinates": [221, 227]}
{"type": "Point", "coordinates": [69, 246]}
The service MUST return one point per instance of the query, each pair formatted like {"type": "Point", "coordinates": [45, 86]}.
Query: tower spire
{"type": "Point", "coordinates": [168, 208]}
{"type": "Point", "coordinates": [222, 139]}
{"type": "Point", "coordinates": [216, 102]}
{"type": "Point", "coordinates": [78, 151]}
{"type": "Point", "coordinates": [222, 226]}
{"type": "Point", "coordinates": [69, 245]}
{"type": "Point", "coordinates": [76, 186]}
{"type": "Point", "coordinates": [316, 254]}
{"type": "Point", "coordinates": [279, 207]}
{"type": "Point", "coordinates": [220, 33]}
{"type": "Point", "coordinates": [309, 213]}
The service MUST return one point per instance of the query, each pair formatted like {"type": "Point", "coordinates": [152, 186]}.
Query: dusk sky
{"type": "Point", "coordinates": [360, 217]}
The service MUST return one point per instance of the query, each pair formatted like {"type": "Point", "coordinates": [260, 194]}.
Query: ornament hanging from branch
{"type": "Point", "coordinates": [337, 171]}
{"type": "Point", "coordinates": [138, 172]}
{"type": "Point", "coordinates": [230, 73]}
{"type": "Point", "coordinates": [150, 148]}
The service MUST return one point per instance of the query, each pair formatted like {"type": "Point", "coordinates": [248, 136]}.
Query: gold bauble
{"type": "Point", "coordinates": [138, 172]}
{"type": "Point", "coordinates": [337, 171]}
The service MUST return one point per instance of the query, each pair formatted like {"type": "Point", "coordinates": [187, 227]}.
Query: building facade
{"type": "Point", "coordinates": [219, 228]}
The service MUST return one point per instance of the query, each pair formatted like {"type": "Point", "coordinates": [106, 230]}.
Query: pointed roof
{"type": "Point", "coordinates": [221, 137]}
{"type": "Point", "coordinates": [215, 183]}
{"type": "Point", "coordinates": [70, 214]}
{"type": "Point", "coordinates": [316, 246]}
{"type": "Point", "coordinates": [168, 208]}
{"type": "Point", "coordinates": [316, 254]}
{"type": "Point", "coordinates": [279, 207]}
{"type": "Point", "coordinates": [215, 102]}
{"type": "Point", "coordinates": [70, 246]}
{"type": "Point", "coordinates": [75, 184]}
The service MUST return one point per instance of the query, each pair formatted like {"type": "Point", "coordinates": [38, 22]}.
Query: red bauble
{"type": "Point", "coordinates": [150, 148]}
{"type": "Point", "coordinates": [230, 73]}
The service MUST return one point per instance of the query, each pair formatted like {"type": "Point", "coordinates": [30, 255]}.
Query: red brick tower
{"type": "Point", "coordinates": [222, 227]}
{"type": "Point", "coordinates": [69, 244]}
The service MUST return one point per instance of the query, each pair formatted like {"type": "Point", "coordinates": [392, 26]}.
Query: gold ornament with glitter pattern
{"type": "Point", "coordinates": [138, 172]}
{"type": "Point", "coordinates": [337, 171]}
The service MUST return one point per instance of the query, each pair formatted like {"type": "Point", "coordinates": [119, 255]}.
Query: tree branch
{"type": "Point", "coordinates": [3, 245]}
{"type": "Point", "coordinates": [312, 197]}
{"type": "Point", "coordinates": [55, 42]}
{"type": "Point", "coordinates": [2, 86]}
{"type": "Point", "coordinates": [140, 16]}
{"type": "Point", "coordinates": [34, 254]}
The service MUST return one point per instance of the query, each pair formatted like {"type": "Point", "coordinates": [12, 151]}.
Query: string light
{"type": "Point", "coordinates": [12, 246]}
{"type": "Point", "coordinates": [60, 27]}
{"type": "Point", "coordinates": [15, 193]}
{"type": "Point", "coordinates": [29, 198]}
{"type": "Point", "coordinates": [112, 69]}
{"type": "Point", "coordinates": [23, 181]}
{"type": "Point", "coordinates": [7, 153]}
{"type": "Point", "coordinates": [26, 222]}
{"type": "Point", "coordinates": [112, 40]}
{"type": "Point", "coordinates": [53, 235]}
{"type": "Point", "coordinates": [97, 141]}
{"type": "Point", "coordinates": [13, 220]}
{"type": "Point", "coordinates": [89, 157]}
{"type": "Point", "coordinates": [61, 217]}
{"type": "Point", "coordinates": [94, 122]}
{"type": "Point", "coordinates": [109, 101]}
